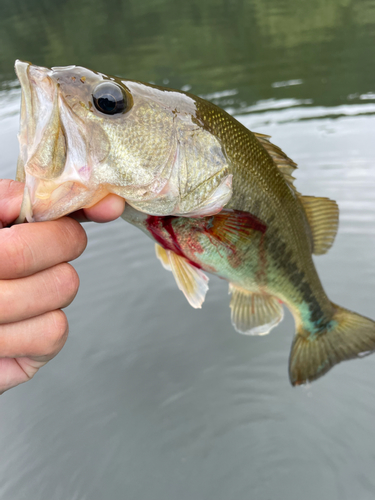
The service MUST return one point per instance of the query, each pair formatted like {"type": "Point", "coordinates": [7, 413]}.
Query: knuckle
{"type": "Point", "coordinates": [72, 279]}
{"type": "Point", "coordinates": [17, 254]}
{"type": "Point", "coordinates": [66, 282]}
{"type": "Point", "coordinates": [6, 302]}
{"type": "Point", "coordinates": [74, 233]}
{"type": "Point", "coordinates": [10, 189]}
{"type": "Point", "coordinates": [10, 184]}
{"type": "Point", "coordinates": [57, 333]}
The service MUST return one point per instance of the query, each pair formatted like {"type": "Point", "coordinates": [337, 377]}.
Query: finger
{"type": "Point", "coordinates": [106, 210]}
{"type": "Point", "coordinates": [53, 288]}
{"type": "Point", "coordinates": [16, 371]}
{"type": "Point", "coordinates": [11, 193]}
{"type": "Point", "coordinates": [79, 216]}
{"type": "Point", "coordinates": [26, 249]}
{"type": "Point", "coordinates": [39, 338]}
{"type": "Point", "coordinates": [28, 345]}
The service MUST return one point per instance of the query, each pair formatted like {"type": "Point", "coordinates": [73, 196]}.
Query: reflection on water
{"type": "Point", "coordinates": [210, 45]}
{"type": "Point", "coordinates": [151, 399]}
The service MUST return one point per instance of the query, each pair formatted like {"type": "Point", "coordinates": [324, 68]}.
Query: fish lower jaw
{"type": "Point", "coordinates": [49, 200]}
{"type": "Point", "coordinates": [26, 213]}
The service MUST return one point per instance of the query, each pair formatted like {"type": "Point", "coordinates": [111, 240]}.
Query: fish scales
{"type": "Point", "coordinates": [215, 197]}
{"type": "Point", "coordinates": [261, 189]}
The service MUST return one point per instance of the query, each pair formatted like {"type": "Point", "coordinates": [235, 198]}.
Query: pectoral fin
{"type": "Point", "coordinates": [254, 313]}
{"type": "Point", "coordinates": [190, 280]}
{"type": "Point", "coordinates": [231, 226]}
{"type": "Point", "coordinates": [162, 255]}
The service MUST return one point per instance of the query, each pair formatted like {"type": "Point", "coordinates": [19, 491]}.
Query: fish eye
{"type": "Point", "coordinates": [109, 98]}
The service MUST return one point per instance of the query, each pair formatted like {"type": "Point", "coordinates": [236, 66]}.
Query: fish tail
{"type": "Point", "coordinates": [347, 335]}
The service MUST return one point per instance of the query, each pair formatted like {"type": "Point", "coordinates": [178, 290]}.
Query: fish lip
{"type": "Point", "coordinates": [31, 77]}
{"type": "Point", "coordinates": [51, 136]}
{"type": "Point", "coordinates": [21, 68]}
{"type": "Point", "coordinates": [50, 208]}
{"type": "Point", "coordinates": [39, 98]}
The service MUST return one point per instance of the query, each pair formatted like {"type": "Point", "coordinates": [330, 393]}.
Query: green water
{"type": "Point", "coordinates": [211, 45]}
{"type": "Point", "coordinates": [150, 399]}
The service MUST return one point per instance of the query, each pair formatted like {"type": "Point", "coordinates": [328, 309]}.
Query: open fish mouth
{"type": "Point", "coordinates": [54, 159]}
{"type": "Point", "coordinates": [38, 108]}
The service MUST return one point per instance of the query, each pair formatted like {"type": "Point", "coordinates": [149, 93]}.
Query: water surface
{"type": "Point", "coordinates": [151, 399]}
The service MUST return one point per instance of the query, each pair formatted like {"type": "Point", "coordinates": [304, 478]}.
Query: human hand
{"type": "Point", "coordinates": [36, 282]}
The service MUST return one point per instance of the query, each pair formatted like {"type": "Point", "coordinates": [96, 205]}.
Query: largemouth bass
{"type": "Point", "coordinates": [213, 195]}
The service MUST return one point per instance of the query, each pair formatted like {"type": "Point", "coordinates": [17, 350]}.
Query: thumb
{"type": "Point", "coordinates": [11, 193]}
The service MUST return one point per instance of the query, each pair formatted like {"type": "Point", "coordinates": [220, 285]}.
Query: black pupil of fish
{"type": "Point", "coordinates": [109, 99]}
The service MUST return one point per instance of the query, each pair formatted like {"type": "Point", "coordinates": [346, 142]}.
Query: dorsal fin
{"type": "Point", "coordinates": [281, 160]}
{"type": "Point", "coordinates": [323, 217]}
{"type": "Point", "coordinates": [322, 213]}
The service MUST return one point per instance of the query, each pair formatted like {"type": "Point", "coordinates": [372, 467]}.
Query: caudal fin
{"type": "Point", "coordinates": [348, 335]}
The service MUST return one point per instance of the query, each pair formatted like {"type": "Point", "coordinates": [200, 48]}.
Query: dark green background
{"type": "Point", "coordinates": [211, 45]}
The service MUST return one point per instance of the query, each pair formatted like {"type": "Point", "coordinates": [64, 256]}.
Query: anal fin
{"type": "Point", "coordinates": [254, 313]}
{"type": "Point", "coordinates": [191, 281]}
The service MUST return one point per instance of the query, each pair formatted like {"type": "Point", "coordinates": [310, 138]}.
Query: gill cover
{"type": "Point", "coordinates": [85, 134]}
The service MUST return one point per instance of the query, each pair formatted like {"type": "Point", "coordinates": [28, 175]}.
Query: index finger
{"type": "Point", "coordinates": [26, 249]}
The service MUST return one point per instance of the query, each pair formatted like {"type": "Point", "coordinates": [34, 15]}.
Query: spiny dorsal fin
{"type": "Point", "coordinates": [323, 217]}
{"type": "Point", "coordinates": [254, 313]}
{"type": "Point", "coordinates": [190, 280]}
{"type": "Point", "coordinates": [282, 161]}
{"type": "Point", "coordinates": [322, 213]}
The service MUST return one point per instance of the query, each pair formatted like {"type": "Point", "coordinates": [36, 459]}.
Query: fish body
{"type": "Point", "coordinates": [215, 196]}
{"type": "Point", "coordinates": [233, 245]}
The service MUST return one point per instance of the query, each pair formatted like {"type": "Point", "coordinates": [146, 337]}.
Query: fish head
{"type": "Point", "coordinates": [59, 148]}
{"type": "Point", "coordinates": [84, 134]}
